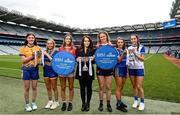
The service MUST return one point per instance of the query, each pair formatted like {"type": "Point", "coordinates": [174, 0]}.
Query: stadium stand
{"type": "Point", "coordinates": [8, 50]}
{"type": "Point", "coordinates": [175, 48]}
{"type": "Point", "coordinates": [14, 26]}
{"type": "Point", "coordinates": [3, 53]}
{"type": "Point", "coordinates": [163, 49]}
{"type": "Point", "coordinates": [154, 49]}
{"type": "Point", "coordinates": [146, 50]}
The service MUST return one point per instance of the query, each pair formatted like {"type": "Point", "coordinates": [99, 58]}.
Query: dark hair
{"type": "Point", "coordinates": [107, 36]}
{"type": "Point", "coordinates": [30, 33]}
{"type": "Point", "coordinates": [90, 45]}
{"type": "Point", "coordinates": [64, 43]}
{"type": "Point", "coordinates": [124, 42]}
{"type": "Point", "coordinates": [138, 41]}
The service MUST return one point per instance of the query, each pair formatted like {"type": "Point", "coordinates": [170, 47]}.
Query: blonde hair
{"type": "Point", "coordinates": [107, 36]}
{"type": "Point", "coordinates": [52, 40]}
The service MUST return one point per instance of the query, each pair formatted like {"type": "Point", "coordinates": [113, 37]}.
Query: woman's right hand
{"type": "Point", "coordinates": [125, 52]}
{"type": "Point", "coordinates": [45, 53]}
{"type": "Point", "coordinates": [77, 59]}
{"type": "Point", "coordinates": [119, 57]}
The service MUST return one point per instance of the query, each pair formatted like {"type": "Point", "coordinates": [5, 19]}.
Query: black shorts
{"type": "Point", "coordinates": [102, 72]}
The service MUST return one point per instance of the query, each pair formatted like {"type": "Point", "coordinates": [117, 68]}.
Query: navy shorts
{"type": "Point", "coordinates": [122, 71]}
{"type": "Point", "coordinates": [49, 72]}
{"type": "Point", "coordinates": [136, 72]}
{"type": "Point", "coordinates": [30, 73]}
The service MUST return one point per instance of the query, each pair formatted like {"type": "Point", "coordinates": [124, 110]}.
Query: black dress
{"type": "Point", "coordinates": [85, 79]}
{"type": "Point", "coordinates": [84, 74]}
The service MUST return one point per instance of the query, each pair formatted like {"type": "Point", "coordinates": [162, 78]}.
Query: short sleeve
{"type": "Point", "coordinates": [74, 51]}
{"type": "Point", "coordinates": [55, 52]}
{"type": "Point", "coordinates": [40, 49]}
{"type": "Point", "coordinates": [142, 51]}
{"type": "Point", "coordinates": [21, 51]}
{"type": "Point", "coordinates": [60, 49]}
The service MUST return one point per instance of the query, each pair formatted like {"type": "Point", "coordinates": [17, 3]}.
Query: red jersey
{"type": "Point", "coordinates": [71, 50]}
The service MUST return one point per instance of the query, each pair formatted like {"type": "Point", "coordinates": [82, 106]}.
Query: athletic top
{"type": "Point", "coordinates": [71, 50]}
{"type": "Point", "coordinates": [123, 62]}
{"type": "Point", "coordinates": [132, 61]}
{"type": "Point", "coordinates": [29, 51]}
{"type": "Point", "coordinates": [47, 61]}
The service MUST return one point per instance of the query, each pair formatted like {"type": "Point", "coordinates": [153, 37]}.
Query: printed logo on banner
{"type": "Point", "coordinates": [63, 63]}
{"type": "Point", "coordinates": [106, 57]}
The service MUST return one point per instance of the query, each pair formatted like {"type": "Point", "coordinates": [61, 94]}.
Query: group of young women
{"type": "Point", "coordinates": [130, 61]}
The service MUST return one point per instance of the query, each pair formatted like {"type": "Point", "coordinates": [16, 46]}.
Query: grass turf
{"type": "Point", "coordinates": [161, 77]}
{"type": "Point", "coordinates": [12, 102]}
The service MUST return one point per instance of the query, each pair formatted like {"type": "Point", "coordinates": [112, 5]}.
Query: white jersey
{"type": "Point", "coordinates": [132, 61]}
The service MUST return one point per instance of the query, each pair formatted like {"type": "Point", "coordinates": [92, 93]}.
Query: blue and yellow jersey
{"type": "Point", "coordinates": [28, 51]}
{"type": "Point", "coordinates": [48, 62]}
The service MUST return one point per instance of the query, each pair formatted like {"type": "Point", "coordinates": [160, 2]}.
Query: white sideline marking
{"type": "Point", "coordinates": [12, 69]}
{"type": "Point", "coordinates": [149, 57]}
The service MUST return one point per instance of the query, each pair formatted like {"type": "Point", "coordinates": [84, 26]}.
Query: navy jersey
{"type": "Point", "coordinates": [123, 62]}
{"type": "Point", "coordinates": [47, 62]}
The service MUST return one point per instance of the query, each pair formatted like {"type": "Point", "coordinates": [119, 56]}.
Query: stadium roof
{"type": "Point", "coordinates": [32, 21]}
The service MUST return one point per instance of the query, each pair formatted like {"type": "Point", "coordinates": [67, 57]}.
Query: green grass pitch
{"type": "Point", "coordinates": [162, 78]}
{"type": "Point", "coordinates": [161, 81]}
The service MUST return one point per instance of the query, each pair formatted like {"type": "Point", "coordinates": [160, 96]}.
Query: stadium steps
{"type": "Point", "coordinates": [13, 48]}
{"type": "Point", "coordinates": [4, 51]}
{"type": "Point", "coordinates": [149, 50]}
{"type": "Point", "coordinates": [158, 49]}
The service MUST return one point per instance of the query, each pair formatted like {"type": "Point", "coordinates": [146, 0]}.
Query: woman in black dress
{"type": "Point", "coordinates": [85, 71]}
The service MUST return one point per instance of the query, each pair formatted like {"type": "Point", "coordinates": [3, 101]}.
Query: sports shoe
{"type": "Point", "coordinates": [124, 105]}
{"type": "Point", "coordinates": [63, 108]}
{"type": "Point", "coordinates": [28, 108]}
{"type": "Point", "coordinates": [54, 105]}
{"type": "Point", "coordinates": [34, 106]}
{"type": "Point", "coordinates": [70, 106]}
{"type": "Point", "coordinates": [135, 104]}
{"type": "Point", "coordinates": [141, 106]}
{"type": "Point", "coordinates": [121, 108]}
{"type": "Point", "coordinates": [49, 104]}
{"type": "Point", "coordinates": [100, 108]}
{"type": "Point", "coordinates": [109, 108]}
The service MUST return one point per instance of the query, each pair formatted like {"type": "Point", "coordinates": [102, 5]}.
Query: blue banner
{"type": "Point", "coordinates": [106, 57]}
{"type": "Point", "coordinates": [169, 24]}
{"type": "Point", "coordinates": [63, 63]}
